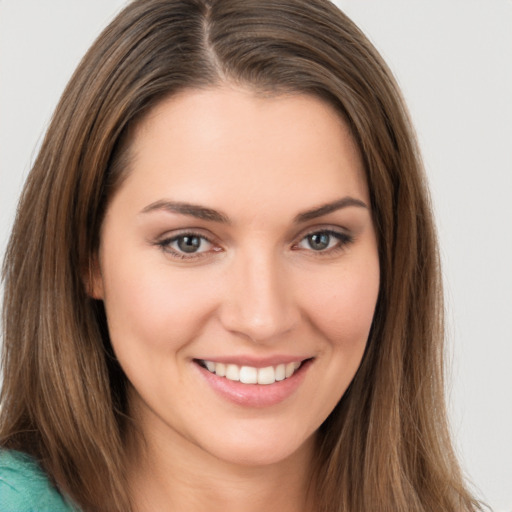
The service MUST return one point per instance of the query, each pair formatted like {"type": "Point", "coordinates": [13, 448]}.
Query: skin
{"type": "Point", "coordinates": [255, 288]}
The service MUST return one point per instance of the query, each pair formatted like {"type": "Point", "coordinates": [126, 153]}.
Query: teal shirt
{"type": "Point", "coordinates": [24, 487]}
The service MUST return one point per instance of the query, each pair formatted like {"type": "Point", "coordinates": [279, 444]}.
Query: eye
{"type": "Point", "coordinates": [324, 241]}
{"type": "Point", "coordinates": [190, 243]}
{"type": "Point", "coordinates": [186, 245]}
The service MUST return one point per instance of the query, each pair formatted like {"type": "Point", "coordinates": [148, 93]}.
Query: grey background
{"type": "Point", "coordinates": [453, 60]}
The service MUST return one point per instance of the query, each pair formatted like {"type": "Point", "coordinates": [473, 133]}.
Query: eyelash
{"type": "Point", "coordinates": [343, 240]}
{"type": "Point", "coordinates": [165, 246]}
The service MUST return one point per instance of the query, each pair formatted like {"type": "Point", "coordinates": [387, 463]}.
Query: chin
{"type": "Point", "coordinates": [263, 448]}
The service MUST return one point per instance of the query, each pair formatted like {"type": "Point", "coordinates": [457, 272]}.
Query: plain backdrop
{"type": "Point", "coordinates": [453, 60]}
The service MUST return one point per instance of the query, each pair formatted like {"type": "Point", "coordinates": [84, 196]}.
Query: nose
{"type": "Point", "coordinates": [259, 300]}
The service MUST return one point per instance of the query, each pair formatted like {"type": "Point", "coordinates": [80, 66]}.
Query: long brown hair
{"type": "Point", "coordinates": [386, 445]}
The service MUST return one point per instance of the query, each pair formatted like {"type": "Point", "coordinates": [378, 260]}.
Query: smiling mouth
{"type": "Point", "coordinates": [250, 374]}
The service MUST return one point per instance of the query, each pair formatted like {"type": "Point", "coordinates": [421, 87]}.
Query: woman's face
{"type": "Point", "coordinates": [239, 271]}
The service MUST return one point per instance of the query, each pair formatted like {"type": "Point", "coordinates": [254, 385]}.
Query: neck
{"type": "Point", "coordinates": [180, 476]}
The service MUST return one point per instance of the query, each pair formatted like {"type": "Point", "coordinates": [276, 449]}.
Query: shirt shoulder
{"type": "Point", "coordinates": [24, 487]}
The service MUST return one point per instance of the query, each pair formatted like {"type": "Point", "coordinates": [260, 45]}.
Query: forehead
{"type": "Point", "coordinates": [206, 145]}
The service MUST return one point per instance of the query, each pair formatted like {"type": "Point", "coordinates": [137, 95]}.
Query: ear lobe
{"type": "Point", "coordinates": [93, 280]}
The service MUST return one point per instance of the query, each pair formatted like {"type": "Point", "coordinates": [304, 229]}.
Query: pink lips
{"type": "Point", "coordinates": [255, 395]}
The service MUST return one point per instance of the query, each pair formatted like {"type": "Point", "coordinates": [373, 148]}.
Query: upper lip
{"type": "Point", "coordinates": [255, 362]}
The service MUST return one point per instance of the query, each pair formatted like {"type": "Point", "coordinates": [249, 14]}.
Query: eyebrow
{"type": "Point", "coordinates": [201, 212]}
{"type": "Point", "coordinates": [193, 210]}
{"type": "Point", "coordinates": [327, 208]}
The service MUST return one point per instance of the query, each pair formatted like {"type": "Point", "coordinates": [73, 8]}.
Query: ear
{"type": "Point", "coordinates": [93, 280]}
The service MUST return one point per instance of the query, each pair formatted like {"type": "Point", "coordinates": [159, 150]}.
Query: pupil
{"type": "Point", "coordinates": [189, 243]}
{"type": "Point", "coordinates": [319, 241]}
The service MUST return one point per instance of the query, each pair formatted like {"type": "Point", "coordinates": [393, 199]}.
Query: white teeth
{"type": "Point", "coordinates": [232, 372]}
{"type": "Point", "coordinates": [251, 375]}
{"type": "Point", "coordinates": [290, 368]}
{"type": "Point", "coordinates": [266, 375]}
{"type": "Point", "coordinates": [280, 372]}
{"type": "Point", "coordinates": [219, 369]}
{"type": "Point", "coordinates": [248, 375]}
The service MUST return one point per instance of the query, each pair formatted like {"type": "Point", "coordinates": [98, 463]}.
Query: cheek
{"type": "Point", "coordinates": [343, 304]}
{"type": "Point", "coordinates": [150, 308]}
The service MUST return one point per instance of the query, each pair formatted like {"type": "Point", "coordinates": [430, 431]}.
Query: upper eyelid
{"type": "Point", "coordinates": [338, 235]}
{"type": "Point", "coordinates": [177, 233]}
{"type": "Point", "coordinates": [325, 228]}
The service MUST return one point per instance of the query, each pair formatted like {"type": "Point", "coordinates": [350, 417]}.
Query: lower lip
{"type": "Point", "coordinates": [255, 395]}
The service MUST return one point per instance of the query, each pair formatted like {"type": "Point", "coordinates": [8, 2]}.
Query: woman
{"type": "Point", "coordinates": [222, 287]}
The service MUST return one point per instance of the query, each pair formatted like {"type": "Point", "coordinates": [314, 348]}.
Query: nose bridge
{"type": "Point", "coordinates": [260, 302]}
